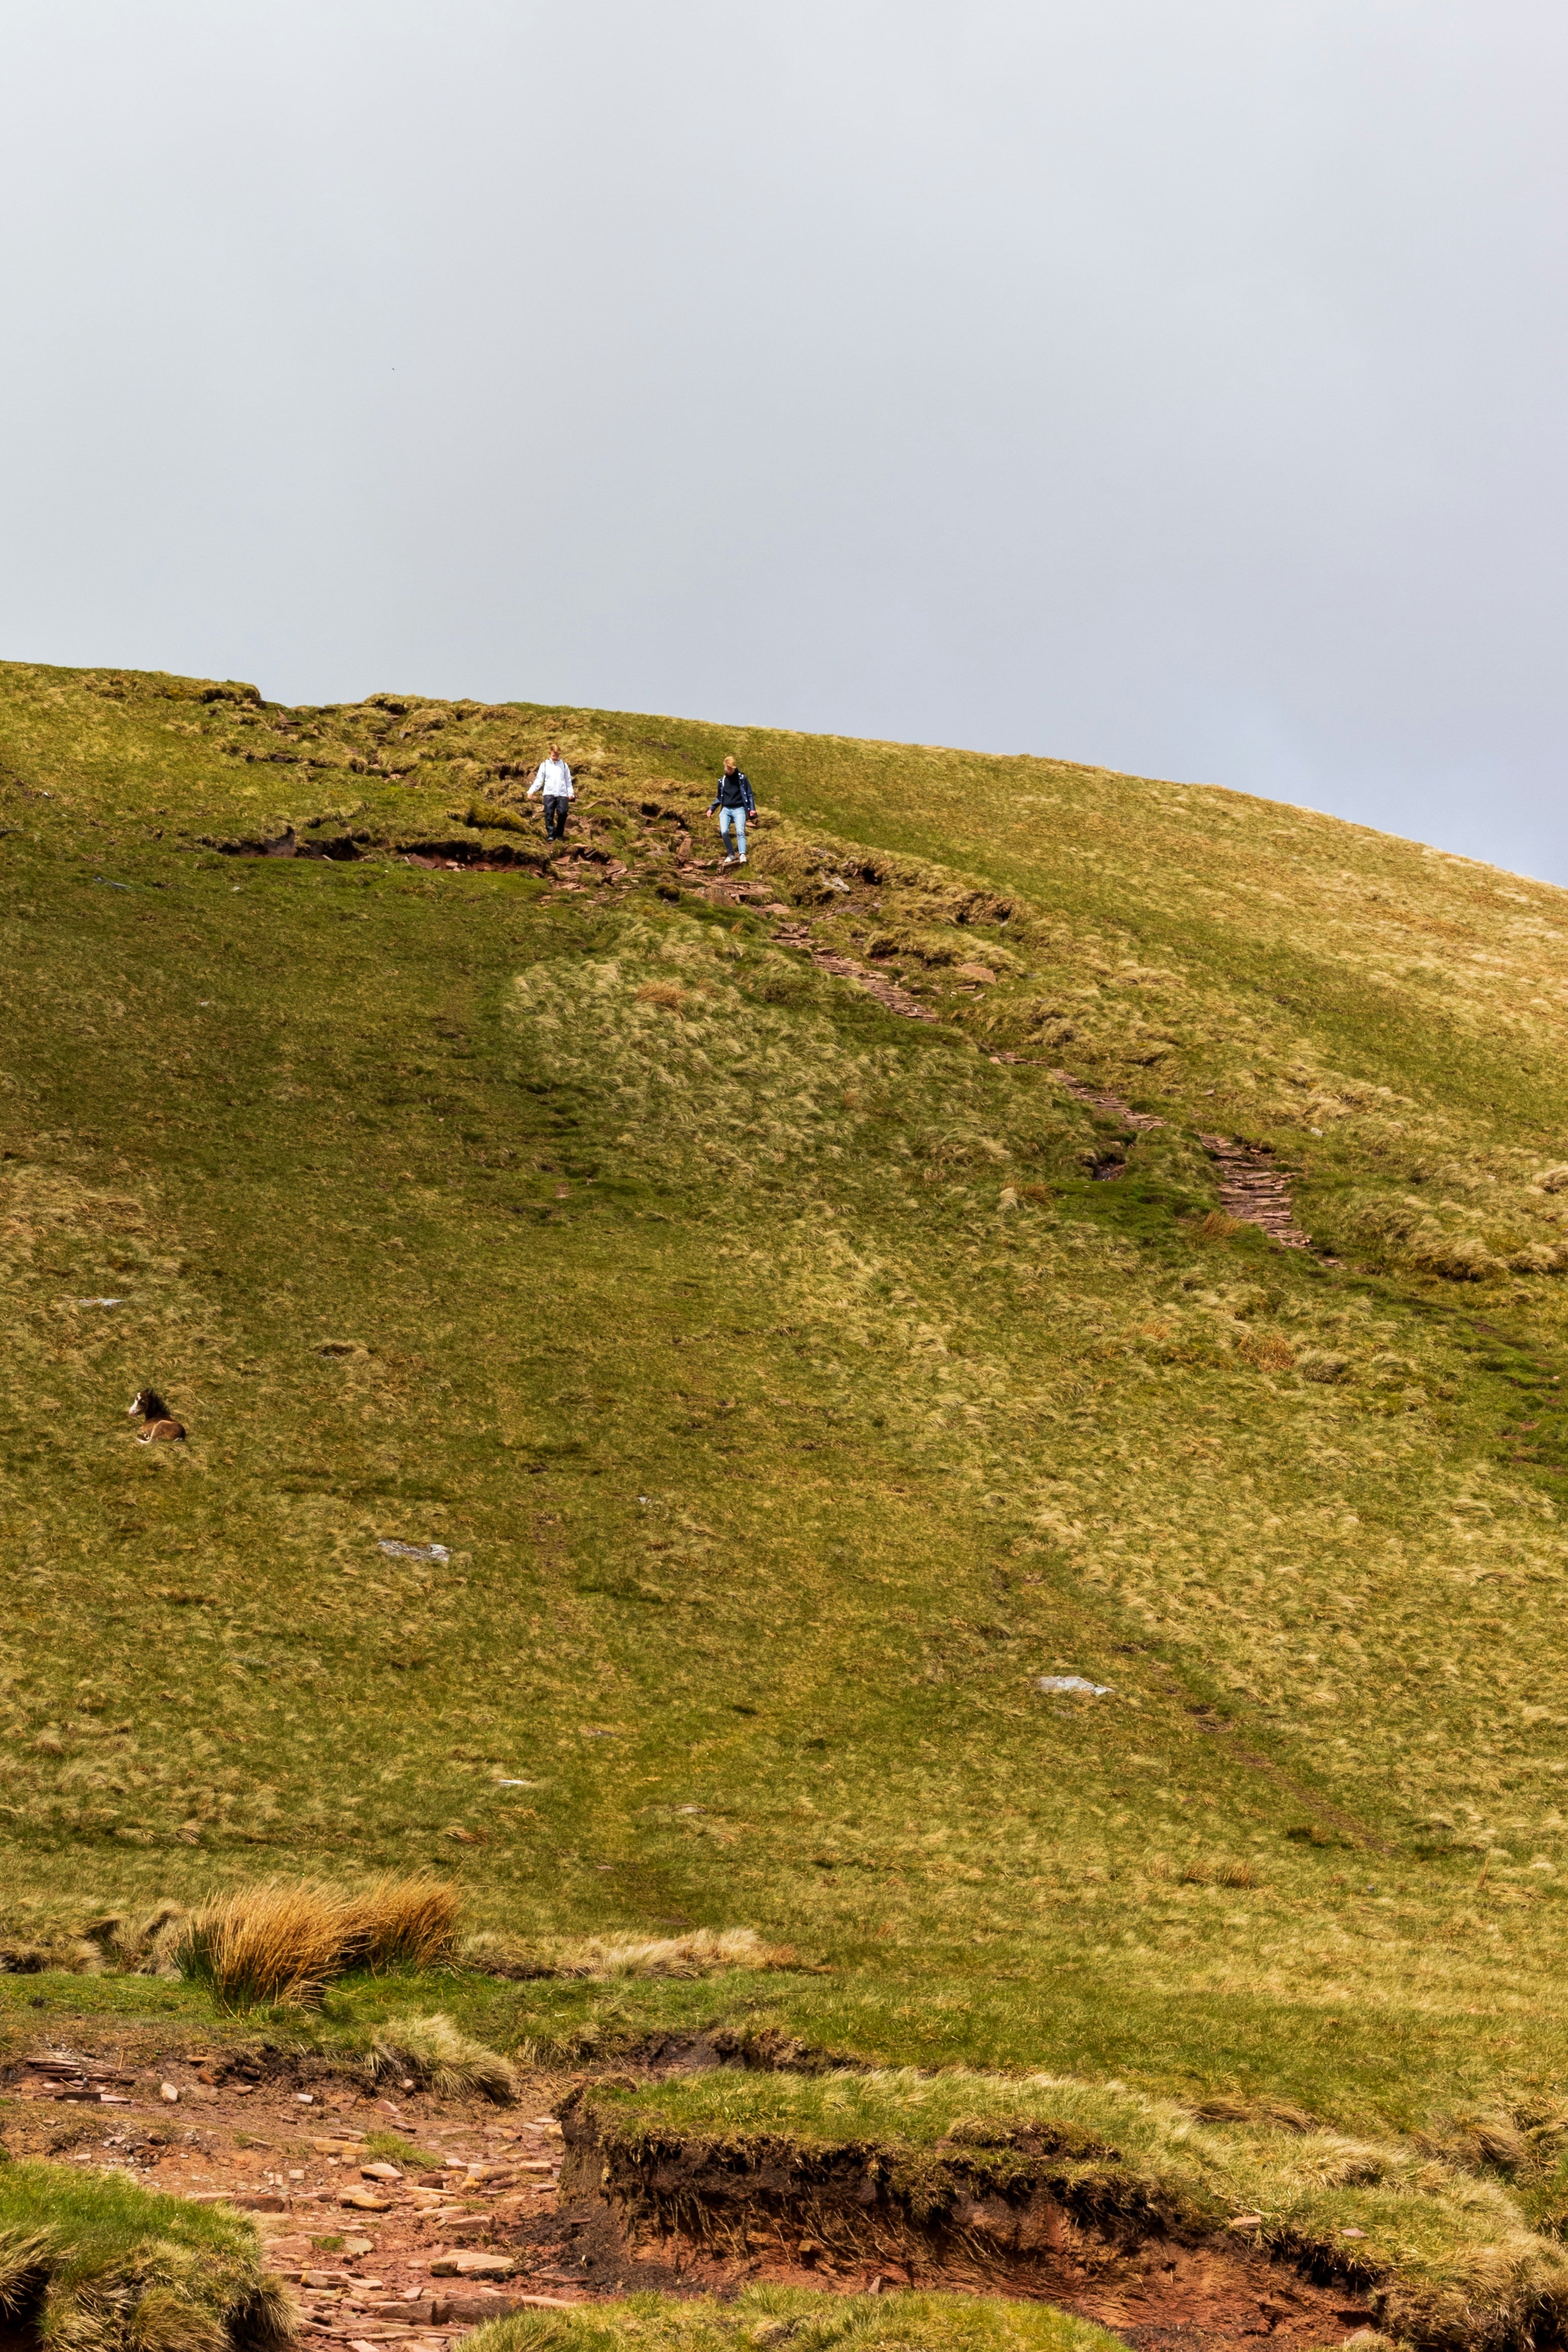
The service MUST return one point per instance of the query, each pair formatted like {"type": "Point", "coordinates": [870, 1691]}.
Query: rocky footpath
{"type": "Point", "coordinates": [378, 2250]}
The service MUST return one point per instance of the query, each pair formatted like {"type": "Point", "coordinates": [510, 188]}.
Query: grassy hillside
{"type": "Point", "coordinates": [787, 1394]}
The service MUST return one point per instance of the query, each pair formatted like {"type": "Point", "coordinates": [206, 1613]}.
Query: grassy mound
{"type": "Point", "coordinates": [877, 2160]}
{"type": "Point", "coordinates": [762, 2319]}
{"type": "Point", "coordinates": [101, 2266]}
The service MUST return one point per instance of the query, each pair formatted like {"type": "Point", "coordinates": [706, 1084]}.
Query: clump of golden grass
{"type": "Point", "coordinates": [1218, 1227]}
{"type": "Point", "coordinates": [1476, 2141]}
{"type": "Point", "coordinates": [280, 1942]}
{"type": "Point", "coordinates": [701, 1953]}
{"type": "Point", "coordinates": [1275, 2114]}
{"type": "Point", "coordinates": [704, 1950]}
{"type": "Point", "coordinates": [662, 992]}
{"type": "Point", "coordinates": [401, 1922]}
{"type": "Point", "coordinates": [284, 1941]}
{"type": "Point", "coordinates": [1269, 1352]}
{"type": "Point", "coordinates": [1219, 1874]}
{"type": "Point", "coordinates": [810, 2319]}
{"type": "Point", "coordinates": [432, 2053]}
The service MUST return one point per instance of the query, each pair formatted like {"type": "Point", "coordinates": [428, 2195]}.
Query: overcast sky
{"type": "Point", "coordinates": [1176, 384]}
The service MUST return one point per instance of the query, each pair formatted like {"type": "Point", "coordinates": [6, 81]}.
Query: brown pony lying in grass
{"type": "Point", "coordinates": [160, 1421]}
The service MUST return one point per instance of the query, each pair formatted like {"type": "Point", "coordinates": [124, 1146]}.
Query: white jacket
{"type": "Point", "coordinates": [554, 778]}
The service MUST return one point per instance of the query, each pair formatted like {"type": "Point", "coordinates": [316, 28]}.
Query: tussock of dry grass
{"type": "Point", "coordinates": [1477, 2142]}
{"type": "Point", "coordinates": [1219, 1874]}
{"type": "Point", "coordinates": [146, 1946]}
{"type": "Point", "coordinates": [762, 2318]}
{"type": "Point", "coordinates": [703, 1952]}
{"type": "Point", "coordinates": [401, 1922]}
{"type": "Point", "coordinates": [1276, 2115]}
{"type": "Point", "coordinates": [284, 1941]}
{"type": "Point", "coordinates": [433, 2054]}
{"type": "Point", "coordinates": [265, 1943]}
{"type": "Point", "coordinates": [700, 1953]}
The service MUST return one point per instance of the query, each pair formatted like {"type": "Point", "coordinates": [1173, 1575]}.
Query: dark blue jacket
{"type": "Point", "coordinates": [734, 791]}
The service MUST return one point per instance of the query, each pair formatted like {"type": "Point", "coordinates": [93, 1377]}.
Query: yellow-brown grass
{"type": "Point", "coordinates": [1269, 1352]}
{"type": "Point", "coordinates": [401, 1922]}
{"type": "Point", "coordinates": [274, 1943]}
{"type": "Point", "coordinates": [703, 1952]}
{"type": "Point", "coordinates": [284, 1941]}
{"type": "Point", "coordinates": [1219, 1874]}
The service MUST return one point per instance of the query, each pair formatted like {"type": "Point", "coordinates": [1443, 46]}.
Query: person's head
{"type": "Point", "coordinates": [729, 764]}
{"type": "Point", "coordinates": [555, 751]}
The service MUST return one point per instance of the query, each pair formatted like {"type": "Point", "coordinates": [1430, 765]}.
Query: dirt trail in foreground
{"type": "Point", "coordinates": [405, 2260]}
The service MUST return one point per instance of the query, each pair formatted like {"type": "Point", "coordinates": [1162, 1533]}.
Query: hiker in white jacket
{"type": "Point", "coordinates": [554, 781]}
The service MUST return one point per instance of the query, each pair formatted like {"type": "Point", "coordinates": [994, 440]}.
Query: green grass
{"type": "Point", "coordinates": [94, 2262]}
{"type": "Point", "coordinates": [392, 2147]}
{"type": "Point", "coordinates": [762, 2318]}
{"type": "Point", "coordinates": [787, 1396]}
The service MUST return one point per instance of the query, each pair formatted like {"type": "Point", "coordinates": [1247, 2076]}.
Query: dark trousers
{"type": "Point", "coordinates": [556, 807]}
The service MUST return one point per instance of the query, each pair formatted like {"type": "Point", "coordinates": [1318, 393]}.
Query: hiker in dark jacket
{"type": "Point", "coordinates": [735, 805]}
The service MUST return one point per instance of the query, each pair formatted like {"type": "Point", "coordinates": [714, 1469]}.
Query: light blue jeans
{"type": "Point", "coordinates": [735, 817]}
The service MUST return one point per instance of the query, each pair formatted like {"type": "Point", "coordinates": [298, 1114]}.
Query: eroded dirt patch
{"type": "Point", "coordinates": [376, 2256]}
{"type": "Point", "coordinates": [373, 2259]}
{"type": "Point", "coordinates": [720, 2215]}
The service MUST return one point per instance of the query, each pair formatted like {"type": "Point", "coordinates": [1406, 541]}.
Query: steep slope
{"type": "Point", "coordinates": [789, 1394]}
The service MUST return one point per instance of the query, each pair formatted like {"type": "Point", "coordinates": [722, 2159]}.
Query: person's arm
{"type": "Point", "coordinates": [570, 787]}
{"type": "Point", "coordinates": [750, 798]}
{"type": "Point", "coordinates": [539, 781]}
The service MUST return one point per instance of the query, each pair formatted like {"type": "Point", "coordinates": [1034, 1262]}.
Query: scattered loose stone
{"type": "Point", "coordinates": [473, 2264]}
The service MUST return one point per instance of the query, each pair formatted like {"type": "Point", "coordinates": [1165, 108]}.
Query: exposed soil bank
{"type": "Point", "coordinates": [719, 2213]}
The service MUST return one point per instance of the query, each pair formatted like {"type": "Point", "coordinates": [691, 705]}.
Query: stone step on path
{"type": "Point", "coordinates": [1109, 1105]}
{"type": "Point", "coordinates": [1254, 1191]}
{"type": "Point", "coordinates": [886, 992]}
{"type": "Point", "coordinates": [1112, 1104]}
{"type": "Point", "coordinates": [797, 934]}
